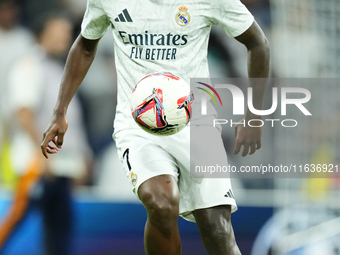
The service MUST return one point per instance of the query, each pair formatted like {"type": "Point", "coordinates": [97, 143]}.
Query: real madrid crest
{"type": "Point", "coordinates": [183, 17]}
{"type": "Point", "coordinates": [133, 179]}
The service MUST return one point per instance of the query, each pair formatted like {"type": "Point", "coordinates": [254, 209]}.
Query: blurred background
{"type": "Point", "coordinates": [292, 216]}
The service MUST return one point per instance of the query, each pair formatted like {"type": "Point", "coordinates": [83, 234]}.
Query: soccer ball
{"type": "Point", "coordinates": [161, 103]}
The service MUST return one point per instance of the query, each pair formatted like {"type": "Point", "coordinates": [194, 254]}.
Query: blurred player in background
{"type": "Point", "coordinates": [14, 41]}
{"type": "Point", "coordinates": [33, 84]}
{"type": "Point", "coordinates": [153, 36]}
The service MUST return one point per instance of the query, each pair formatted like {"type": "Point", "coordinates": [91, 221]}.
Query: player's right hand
{"type": "Point", "coordinates": [248, 137]}
{"type": "Point", "coordinates": [54, 133]}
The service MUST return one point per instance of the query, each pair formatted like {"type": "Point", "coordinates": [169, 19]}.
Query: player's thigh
{"type": "Point", "coordinates": [216, 215]}
{"type": "Point", "coordinates": [143, 159]}
{"type": "Point", "coordinates": [200, 190]}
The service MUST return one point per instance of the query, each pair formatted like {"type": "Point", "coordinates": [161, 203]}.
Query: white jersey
{"type": "Point", "coordinates": [156, 36]}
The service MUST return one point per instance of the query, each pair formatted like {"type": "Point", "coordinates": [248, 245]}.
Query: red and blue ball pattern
{"type": "Point", "coordinates": [161, 103]}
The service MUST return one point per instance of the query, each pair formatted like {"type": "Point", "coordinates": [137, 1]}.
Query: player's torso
{"type": "Point", "coordinates": [160, 35]}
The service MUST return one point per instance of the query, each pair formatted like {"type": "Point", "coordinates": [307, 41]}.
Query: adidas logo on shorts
{"type": "Point", "coordinates": [124, 17]}
{"type": "Point", "coordinates": [229, 194]}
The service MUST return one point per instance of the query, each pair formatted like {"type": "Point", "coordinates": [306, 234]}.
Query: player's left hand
{"type": "Point", "coordinates": [248, 137]}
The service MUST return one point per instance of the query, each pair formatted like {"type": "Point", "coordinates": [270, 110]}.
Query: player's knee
{"type": "Point", "coordinates": [216, 228]}
{"type": "Point", "coordinates": [213, 229]}
{"type": "Point", "coordinates": [161, 208]}
{"type": "Point", "coordinates": [214, 233]}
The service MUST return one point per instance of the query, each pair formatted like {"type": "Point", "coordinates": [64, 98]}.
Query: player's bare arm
{"type": "Point", "coordinates": [78, 63]}
{"type": "Point", "coordinates": [258, 67]}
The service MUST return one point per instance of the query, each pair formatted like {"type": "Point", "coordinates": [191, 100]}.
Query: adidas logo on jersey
{"type": "Point", "coordinates": [124, 17]}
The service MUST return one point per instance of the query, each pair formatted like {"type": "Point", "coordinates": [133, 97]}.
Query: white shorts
{"type": "Point", "coordinates": [145, 156]}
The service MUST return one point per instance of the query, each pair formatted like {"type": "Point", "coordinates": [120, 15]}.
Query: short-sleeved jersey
{"type": "Point", "coordinates": [157, 36]}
